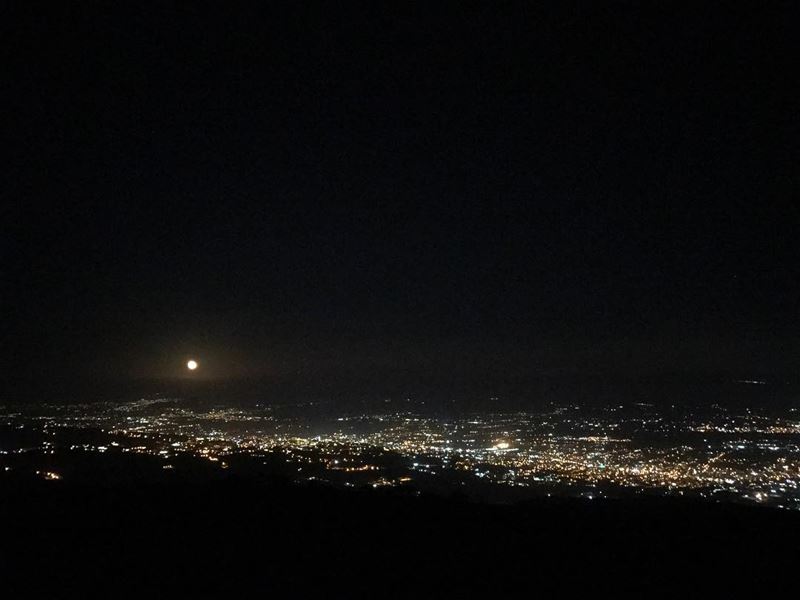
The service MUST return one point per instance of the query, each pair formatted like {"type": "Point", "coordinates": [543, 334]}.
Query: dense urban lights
{"type": "Point", "coordinates": [566, 450]}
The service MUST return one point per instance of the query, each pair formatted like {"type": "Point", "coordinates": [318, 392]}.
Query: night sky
{"type": "Point", "coordinates": [360, 200]}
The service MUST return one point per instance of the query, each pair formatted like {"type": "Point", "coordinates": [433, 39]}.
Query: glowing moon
{"type": "Point", "coordinates": [191, 365]}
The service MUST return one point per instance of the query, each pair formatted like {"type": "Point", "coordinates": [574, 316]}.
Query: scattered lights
{"type": "Point", "coordinates": [746, 457]}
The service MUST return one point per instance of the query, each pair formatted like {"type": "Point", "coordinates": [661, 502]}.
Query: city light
{"type": "Point", "coordinates": [565, 450]}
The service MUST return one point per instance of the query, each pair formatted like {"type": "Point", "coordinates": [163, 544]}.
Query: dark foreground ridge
{"type": "Point", "coordinates": [233, 535]}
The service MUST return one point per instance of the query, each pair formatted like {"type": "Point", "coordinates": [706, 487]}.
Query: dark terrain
{"type": "Point", "coordinates": [235, 535]}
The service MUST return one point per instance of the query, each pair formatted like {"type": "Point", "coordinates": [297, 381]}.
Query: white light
{"type": "Point", "coordinates": [191, 365]}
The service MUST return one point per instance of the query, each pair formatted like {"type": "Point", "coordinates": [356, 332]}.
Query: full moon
{"type": "Point", "coordinates": [191, 365]}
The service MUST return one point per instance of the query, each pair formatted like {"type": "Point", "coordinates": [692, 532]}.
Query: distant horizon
{"type": "Point", "coordinates": [594, 390]}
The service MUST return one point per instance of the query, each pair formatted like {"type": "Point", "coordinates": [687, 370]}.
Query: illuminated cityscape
{"type": "Point", "coordinates": [716, 454]}
{"type": "Point", "coordinates": [400, 300]}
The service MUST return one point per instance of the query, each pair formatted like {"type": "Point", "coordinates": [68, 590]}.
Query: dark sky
{"type": "Point", "coordinates": [364, 199]}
